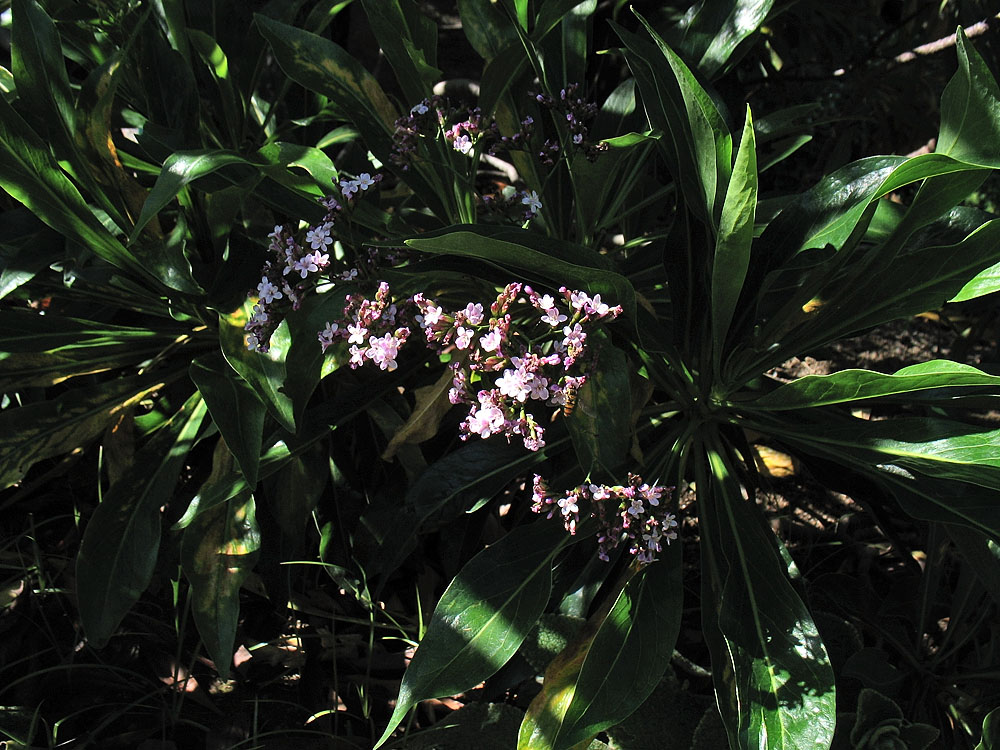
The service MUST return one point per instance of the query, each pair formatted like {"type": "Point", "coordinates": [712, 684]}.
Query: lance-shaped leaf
{"type": "Point", "coordinates": [941, 448]}
{"type": "Point", "coordinates": [180, 169]}
{"type": "Point", "coordinates": [699, 149]}
{"type": "Point", "coordinates": [773, 679]}
{"type": "Point", "coordinates": [265, 372]}
{"type": "Point", "coordinates": [32, 433]}
{"type": "Point", "coordinates": [970, 110]}
{"type": "Point", "coordinates": [600, 424]}
{"type": "Point", "coordinates": [43, 351]}
{"type": "Point", "coordinates": [991, 731]}
{"type": "Point", "coordinates": [30, 174]}
{"type": "Point", "coordinates": [122, 539]}
{"type": "Point", "coordinates": [939, 375]}
{"type": "Point", "coordinates": [235, 408]}
{"type": "Point", "coordinates": [408, 39]}
{"type": "Point", "coordinates": [326, 68]}
{"type": "Point", "coordinates": [912, 282]}
{"type": "Point", "coordinates": [713, 31]}
{"type": "Point", "coordinates": [732, 244]}
{"type": "Point", "coordinates": [431, 405]}
{"type": "Point", "coordinates": [219, 548]}
{"type": "Point", "coordinates": [607, 671]}
{"type": "Point", "coordinates": [482, 617]}
{"type": "Point", "coordinates": [467, 478]}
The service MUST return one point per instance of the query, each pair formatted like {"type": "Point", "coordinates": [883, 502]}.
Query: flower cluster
{"type": "Point", "coordinates": [576, 112]}
{"type": "Point", "coordinates": [462, 128]}
{"type": "Point", "coordinates": [525, 347]}
{"type": "Point", "coordinates": [294, 267]}
{"type": "Point", "coordinates": [632, 514]}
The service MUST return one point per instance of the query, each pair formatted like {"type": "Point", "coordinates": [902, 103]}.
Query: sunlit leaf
{"type": "Point", "coordinates": [482, 617]}
{"type": "Point", "coordinates": [629, 643]}
{"type": "Point", "coordinates": [122, 539]}
{"type": "Point", "coordinates": [773, 678]}
{"type": "Point", "coordinates": [218, 550]}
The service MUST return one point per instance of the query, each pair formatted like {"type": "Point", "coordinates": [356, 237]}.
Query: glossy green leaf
{"type": "Point", "coordinates": [218, 550]}
{"type": "Point", "coordinates": [911, 283]}
{"type": "Point", "coordinates": [482, 617]}
{"type": "Point", "coordinates": [182, 168]}
{"type": "Point", "coordinates": [235, 408]}
{"type": "Point", "coordinates": [326, 68]}
{"type": "Point", "coordinates": [605, 673]}
{"type": "Point", "coordinates": [563, 53]}
{"type": "Point", "coordinates": [122, 539]}
{"type": "Point", "coordinates": [51, 428]}
{"type": "Point", "coordinates": [312, 160]}
{"type": "Point", "coordinates": [39, 70]}
{"type": "Point", "coordinates": [408, 39]}
{"type": "Point", "coordinates": [985, 282]}
{"type": "Point", "coordinates": [486, 26]}
{"type": "Point", "coordinates": [26, 247]}
{"type": "Point", "coordinates": [773, 679]}
{"type": "Point", "coordinates": [970, 110]}
{"type": "Point", "coordinates": [601, 423]}
{"type": "Point", "coordinates": [29, 173]}
{"type": "Point", "coordinates": [856, 385]}
{"type": "Point", "coordinates": [991, 731]}
{"type": "Point", "coordinates": [713, 31]}
{"type": "Point", "coordinates": [45, 350]}
{"type": "Point", "coordinates": [700, 148]}
{"type": "Point", "coordinates": [266, 372]}
{"type": "Point", "coordinates": [466, 478]}
{"type": "Point", "coordinates": [732, 243]}
{"type": "Point", "coordinates": [940, 448]}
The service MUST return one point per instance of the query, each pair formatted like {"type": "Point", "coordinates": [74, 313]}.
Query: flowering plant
{"type": "Point", "coordinates": [552, 310]}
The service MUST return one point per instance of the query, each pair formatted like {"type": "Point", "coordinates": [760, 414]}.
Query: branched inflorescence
{"type": "Point", "coordinates": [525, 347]}
{"type": "Point", "coordinates": [294, 268]}
{"type": "Point", "coordinates": [630, 514]}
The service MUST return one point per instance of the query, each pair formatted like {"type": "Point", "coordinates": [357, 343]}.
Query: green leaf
{"type": "Point", "coordinates": [856, 385]}
{"type": "Point", "coordinates": [732, 244]}
{"type": "Point", "coordinates": [180, 169]}
{"type": "Point", "coordinates": [122, 539]}
{"type": "Point", "coordinates": [908, 284]}
{"type": "Point", "coordinates": [218, 550]}
{"type": "Point", "coordinates": [991, 731]}
{"type": "Point", "coordinates": [266, 372]}
{"type": "Point", "coordinates": [482, 617]}
{"type": "Point", "coordinates": [981, 554]}
{"type": "Point", "coordinates": [717, 29]}
{"type": "Point", "coordinates": [940, 448]}
{"type": "Point", "coordinates": [326, 68]}
{"type": "Point", "coordinates": [699, 150]}
{"type": "Point", "coordinates": [235, 408]}
{"type": "Point", "coordinates": [613, 665]}
{"type": "Point", "coordinates": [465, 479]}
{"type": "Point", "coordinates": [29, 173]}
{"type": "Point", "coordinates": [486, 26]}
{"type": "Point", "coordinates": [39, 70]}
{"type": "Point", "coordinates": [970, 110]}
{"type": "Point", "coordinates": [35, 432]}
{"type": "Point", "coordinates": [408, 39]}
{"type": "Point", "coordinates": [773, 679]}
{"type": "Point", "coordinates": [601, 423]}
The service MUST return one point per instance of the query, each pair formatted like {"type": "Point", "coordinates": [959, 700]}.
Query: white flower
{"type": "Point", "coordinates": [463, 144]}
{"type": "Point", "coordinates": [364, 181]}
{"type": "Point", "coordinates": [532, 202]}
{"type": "Point", "coordinates": [268, 292]}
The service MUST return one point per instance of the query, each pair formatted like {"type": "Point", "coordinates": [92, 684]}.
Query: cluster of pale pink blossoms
{"type": "Point", "coordinates": [504, 362]}
{"type": "Point", "coordinates": [294, 267]}
{"type": "Point", "coordinates": [631, 514]}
